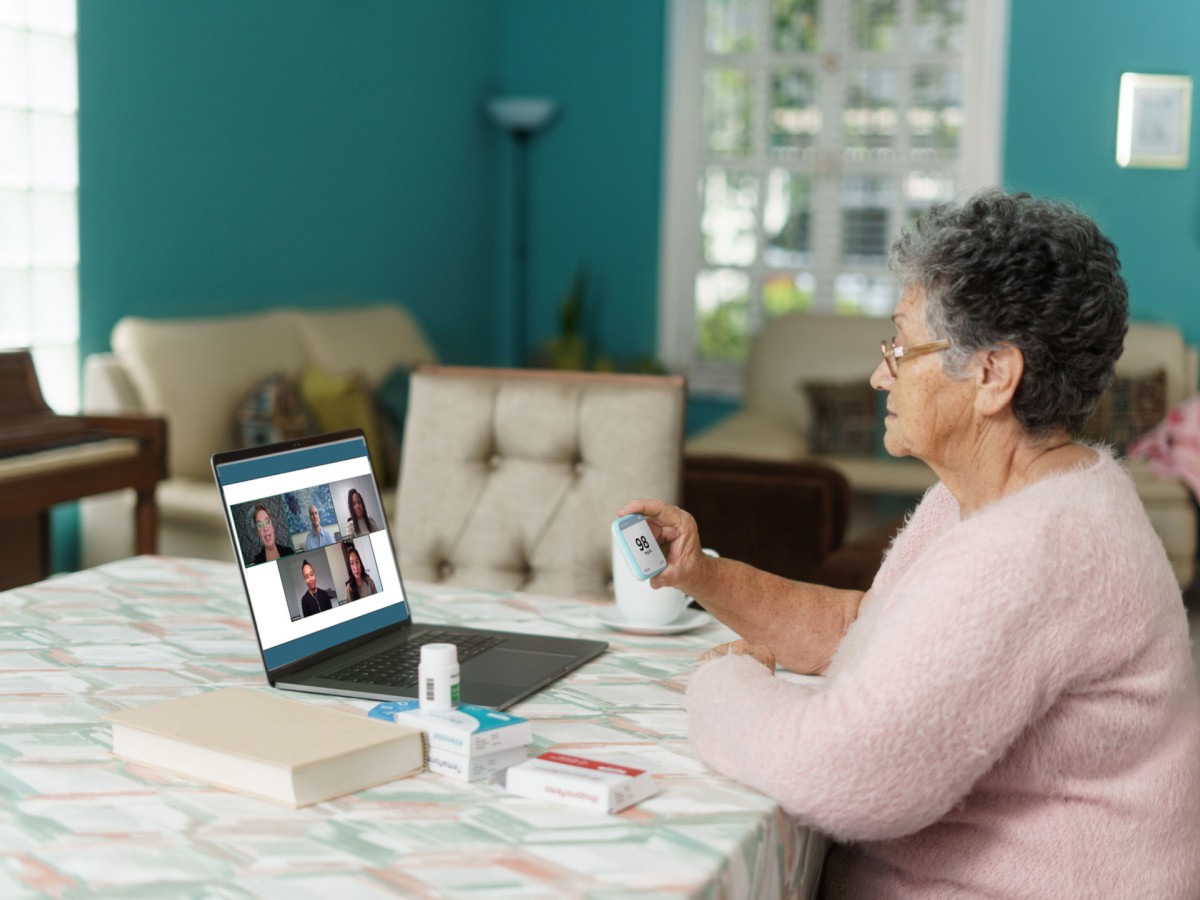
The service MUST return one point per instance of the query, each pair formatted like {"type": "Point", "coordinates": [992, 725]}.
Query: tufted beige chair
{"type": "Point", "coordinates": [510, 479]}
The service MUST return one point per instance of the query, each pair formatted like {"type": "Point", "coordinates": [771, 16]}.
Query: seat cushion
{"type": "Point", "coordinates": [752, 434]}
{"type": "Point", "coordinates": [194, 501]}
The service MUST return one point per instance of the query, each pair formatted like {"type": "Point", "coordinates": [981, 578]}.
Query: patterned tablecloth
{"type": "Point", "coordinates": [74, 822]}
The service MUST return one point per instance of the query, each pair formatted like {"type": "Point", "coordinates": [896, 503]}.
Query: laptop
{"type": "Point", "coordinates": [326, 596]}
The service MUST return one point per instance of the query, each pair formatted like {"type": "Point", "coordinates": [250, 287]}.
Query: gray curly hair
{"type": "Point", "coordinates": [1035, 274]}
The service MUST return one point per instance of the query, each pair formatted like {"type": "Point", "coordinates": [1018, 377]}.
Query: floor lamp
{"type": "Point", "coordinates": [521, 117]}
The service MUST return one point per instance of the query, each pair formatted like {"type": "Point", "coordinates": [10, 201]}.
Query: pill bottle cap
{"type": "Point", "coordinates": [439, 654]}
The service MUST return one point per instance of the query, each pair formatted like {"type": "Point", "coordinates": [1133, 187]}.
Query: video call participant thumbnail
{"type": "Point", "coordinates": [317, 536]}
{"type": "Point", "coordinates": [359, 584]}
{"type": "Point", "coordinates": [264, 527]}
{"type": "Point", "coordinates": [359, 521]}
{"type": "Point", "coordinates": [315, 599]}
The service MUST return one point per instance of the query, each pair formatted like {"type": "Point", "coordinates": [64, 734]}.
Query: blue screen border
{"type": "Point", "coordinates": [280, 461]}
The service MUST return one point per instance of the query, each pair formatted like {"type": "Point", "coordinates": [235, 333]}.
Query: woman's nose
{"type": "Point", "coordinates": [882, 378]}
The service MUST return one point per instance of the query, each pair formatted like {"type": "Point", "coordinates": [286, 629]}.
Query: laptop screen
{"type": "Point", "coordinates": [310, 535]}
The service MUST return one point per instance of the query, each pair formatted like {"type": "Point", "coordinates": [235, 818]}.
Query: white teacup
{"type": "Point", "coordinates": [640, 604]}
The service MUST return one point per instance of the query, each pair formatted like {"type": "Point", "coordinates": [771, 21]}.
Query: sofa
{"type": "Point", "coordinates": [196, 373]}
{"type": "Point", "coordinates": [804, 367]}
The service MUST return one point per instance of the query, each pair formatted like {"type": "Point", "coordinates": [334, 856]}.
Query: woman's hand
{"type": "Point", "coordinates": [688, 568]}
{"type": "Point", "coordinates": [741, 648]}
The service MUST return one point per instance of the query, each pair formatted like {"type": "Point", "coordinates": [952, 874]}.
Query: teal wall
{"type": "Point", "coordinates": [1065, 64]}
{"type": "Point", "coordinates": [237, 154]}
{"type": "Point", "coordinates": [595, 171]}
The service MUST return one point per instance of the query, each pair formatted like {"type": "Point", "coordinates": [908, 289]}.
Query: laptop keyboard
{"type": "Point", "coordinates": [397, 667]}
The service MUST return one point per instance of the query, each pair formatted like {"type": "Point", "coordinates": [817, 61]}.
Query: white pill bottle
{"type": "Point", "coordinates": [437, 677]}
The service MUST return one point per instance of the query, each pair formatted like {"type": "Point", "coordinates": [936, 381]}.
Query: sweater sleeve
{"type": "Point", "coordinates": [963, 651]}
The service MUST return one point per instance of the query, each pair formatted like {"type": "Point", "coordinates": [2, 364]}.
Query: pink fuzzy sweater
{"type": "Point", "coordinates": [1014, 713]}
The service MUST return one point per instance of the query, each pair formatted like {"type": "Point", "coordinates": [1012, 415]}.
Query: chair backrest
{"type": "Point", "coordinates": [510, 479]}
{"type": "Point", "coordinates": [807, 347]}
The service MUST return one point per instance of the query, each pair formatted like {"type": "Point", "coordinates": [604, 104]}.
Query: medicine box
{"type": "Point", "coordinates": [475, 767]}
{"type": "Point", "coordinates": [581, 782]}
{"type": "Point", "coordinates": [468, 730]}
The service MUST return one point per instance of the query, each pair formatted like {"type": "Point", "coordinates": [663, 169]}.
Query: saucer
{"type": "Point", "coordinates": [687, 620]}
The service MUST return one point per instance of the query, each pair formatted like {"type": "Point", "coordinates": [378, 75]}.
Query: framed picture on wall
{"type": "Point", "coordinates": [1154, 121]}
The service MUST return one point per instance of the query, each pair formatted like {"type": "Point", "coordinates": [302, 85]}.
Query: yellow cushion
{"type": "Point", "coordinates": [342, 401]}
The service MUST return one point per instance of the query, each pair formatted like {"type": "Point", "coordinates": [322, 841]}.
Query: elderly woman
{"type": "Point", "coordinates": [1011, 709]}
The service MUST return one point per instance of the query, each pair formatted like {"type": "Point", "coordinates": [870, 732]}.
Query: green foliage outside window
{"type": "Point", "coordinates": [794, 25]}
{"type": "Point", "coordinates": [722, 332]}
{"type": "Point", "coordinates": [781, 295]}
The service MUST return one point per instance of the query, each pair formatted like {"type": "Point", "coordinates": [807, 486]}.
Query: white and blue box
{"type": "Point", "coordinates": [469, 743]}
{"type": "Point", "coordinates": [467, 730]}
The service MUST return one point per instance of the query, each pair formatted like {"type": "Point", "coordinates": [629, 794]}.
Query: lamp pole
{"type": "Point", "coordinates": [520, 277]}
{"type": "Point", "coordinates": [522, 117]}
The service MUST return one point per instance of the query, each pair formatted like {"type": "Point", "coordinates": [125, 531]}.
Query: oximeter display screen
{"type": "Point", "coordinates": [642, 545]}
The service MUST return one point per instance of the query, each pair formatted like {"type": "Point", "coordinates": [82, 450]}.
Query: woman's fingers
{"type": "Point", "coordinates": [740, 648]}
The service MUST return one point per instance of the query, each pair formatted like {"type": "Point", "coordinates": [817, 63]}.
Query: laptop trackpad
{"type": "Point", "coordinates": [514, 667]}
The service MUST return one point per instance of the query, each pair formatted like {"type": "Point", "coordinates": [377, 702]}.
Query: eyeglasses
{"type": "Point", "coordinates": [261, 524]}
{"type": "Point", "coordinates": [893, 354]}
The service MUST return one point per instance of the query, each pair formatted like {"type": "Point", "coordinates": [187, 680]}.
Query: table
{"type": "Point", "coordinates": [75, 822]}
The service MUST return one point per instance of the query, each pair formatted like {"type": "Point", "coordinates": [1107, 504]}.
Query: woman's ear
{"type": "Point", "coordinates": [997, 378]}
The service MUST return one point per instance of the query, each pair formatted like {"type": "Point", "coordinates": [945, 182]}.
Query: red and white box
{"type": "Point", "coordinates": [576, 781]}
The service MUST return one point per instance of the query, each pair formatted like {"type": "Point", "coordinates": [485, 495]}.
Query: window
{"type": "Point", "coordinates": [802, 135]}
{"type": "Point", "coordinates": [39, 179]}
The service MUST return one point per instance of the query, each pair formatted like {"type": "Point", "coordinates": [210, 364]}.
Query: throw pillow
{"type": "Point", "coordinates": [1133, 405]}
{"type": "Point", "coordinates": [846, 419]}
{"type": "Point", "coordinates": [343, 401]}
{"type": "Point", "coordinates": [273, 410]}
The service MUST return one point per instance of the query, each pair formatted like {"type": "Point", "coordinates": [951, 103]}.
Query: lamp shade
{"type": "Point", "coordinates": [521, 113]}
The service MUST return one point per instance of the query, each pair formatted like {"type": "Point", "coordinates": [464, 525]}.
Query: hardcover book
{"type": "Point", "coordinates": [267, 746]}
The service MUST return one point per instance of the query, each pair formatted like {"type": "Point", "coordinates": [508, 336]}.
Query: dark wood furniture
{"type": "Point", "coordinates": [47, 459]}
{"type": "Point", "coordinates": [786, 517]}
